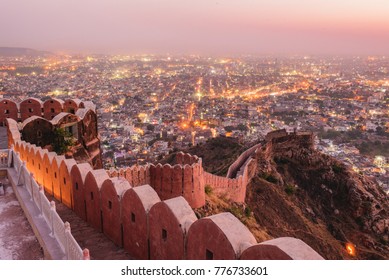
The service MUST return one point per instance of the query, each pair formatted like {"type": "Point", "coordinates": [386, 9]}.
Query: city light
{"type": "Point", "coordinates": [350, 248]}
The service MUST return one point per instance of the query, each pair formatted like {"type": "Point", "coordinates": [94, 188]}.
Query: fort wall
{"type": "Point", "coordinates": [139, 218]}
{"type": "Point", "coordinates": [239, 162]}
{"type": "Point", "coordinates": [188, 178]}
{"type": "Point", "coordinates": [36, 122]}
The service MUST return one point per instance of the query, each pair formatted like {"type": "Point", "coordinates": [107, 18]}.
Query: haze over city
{"type": "Point", "coordinates": [204, 27]}
{"type": "Point", "coordinates": [194, 130]}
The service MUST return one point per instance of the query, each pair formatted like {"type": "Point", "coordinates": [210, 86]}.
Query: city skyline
{"type": "Point", "coordinates": [222, 27]}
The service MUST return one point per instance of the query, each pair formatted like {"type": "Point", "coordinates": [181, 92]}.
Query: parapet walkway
{"type": "Point", "coordinates": [17, 239]}
{"type": "Point", "coordinates": [100, 247]}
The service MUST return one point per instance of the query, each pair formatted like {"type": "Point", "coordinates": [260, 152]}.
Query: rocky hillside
{"type": "Point", "coordinates": [217, 154]}
{"type": "Point", "coordinates": [302, 193]}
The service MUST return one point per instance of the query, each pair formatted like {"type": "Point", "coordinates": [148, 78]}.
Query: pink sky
{"type": "Point", "coordinates": [198, 26]}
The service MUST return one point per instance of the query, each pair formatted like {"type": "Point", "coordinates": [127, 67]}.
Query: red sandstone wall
{"type": "Point", "coordinates": [13, 133]}
{"type": "Point", "coordinates": [170, 181]}
{"type": "Point", "coordinates": [8, 109]}
{"type": "Point", "coordinates": [35, 107]}
{"type": "Point", "coordinates": [47, 172]}
{"type": "Point", "coordinates": [78, 174]}
{"type": "Point", "coordinates": [284, 248]}
{"type": "Point", "coordinates": [39, 162]}
{"type": "Point", "coordinates": [71, 106]}
{"type": "Point", "coordinates": [241, 160]}
{"type": "Point", "coordinates": [136, 204]}
{"type": "Point", "coordinates": [204, 235]}
{"type": "Point", "coordinates": [31, 160]}
{"type": "Point", "coordinates": [150, 217]}
{"type": "Point", "coordinates": [110, 209]}
{"type": "Point", "coordinates": [234, 189]}
{"type": "Point", "coordinates": [30, 107]}
{"type": "Point", "coordinates": [187, 178]}
{"type": "Point", "coordinates": [55, 176]}
{"type": "Point", "coordinates": [264, 252]}
{"type": "Point", "coordinates": [167, 238]}
{"type": "Point", "coordinates": [51, 108]}
{"type": "Point", "coordinates": [93, 182]}
{"type": "Point", "coordinates": [39, 131]}
{"type": "Point", "coordinates": [65, 179]}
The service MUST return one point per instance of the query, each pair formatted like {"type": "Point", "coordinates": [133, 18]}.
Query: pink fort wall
{"type": "Point", "coordinates": [78, 174]}
{"type": "Point", "coordinates": [136, 204]}
{"type": "Point", "coordinates": [147, 227]}
{"type": "Point", "coordinates": [93, 182]}
{"type": "Point", "coordinates": [111, 193]}
{"type": "Point", "coordinates": [168, 225]}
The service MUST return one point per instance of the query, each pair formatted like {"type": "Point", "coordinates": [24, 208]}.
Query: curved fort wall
{"type": "Point", "coordinates": [188, 178]}
{"type": "Point", "coordinates": [35, 107]}
{"type": "Point", "coordinates": [36, 121]}
{"type": "Point", "coordinates": [137, 218]}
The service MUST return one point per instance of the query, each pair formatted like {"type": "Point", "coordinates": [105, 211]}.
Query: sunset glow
{"type": "Point", "coordinates": [224, 26]}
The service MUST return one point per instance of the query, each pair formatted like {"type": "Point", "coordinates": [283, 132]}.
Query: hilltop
{"type": "Point", "coordinates": [299, 192]}
{"type": "Point", "coordinates": [8, 51]}
{"type": "Point", "coordinates": [217, 154]}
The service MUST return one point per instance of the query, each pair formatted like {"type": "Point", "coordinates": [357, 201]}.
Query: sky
{"type": "Point", "coordinates": [355, 27]}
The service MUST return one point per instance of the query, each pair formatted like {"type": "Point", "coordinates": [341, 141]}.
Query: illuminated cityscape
{"type": "Point", "coordinates": [149, 106]}
{"type": "Point", "coordinates": [194, 130]}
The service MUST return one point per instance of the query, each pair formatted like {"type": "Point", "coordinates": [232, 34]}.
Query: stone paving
{"type": "Point", "coordinates": [100, 247]}
{"type": "Point", "coordinates": [17, 239]}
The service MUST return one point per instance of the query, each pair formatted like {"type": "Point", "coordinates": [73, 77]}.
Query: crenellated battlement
{"type": "Point", "coordinates": [188, 178]}
{"type": "Point", "coordinates": [48, 109]}
{"type": "Point", "coordinates": [37, 122]}
{"type": "Point", "coordinates": [148, 209]}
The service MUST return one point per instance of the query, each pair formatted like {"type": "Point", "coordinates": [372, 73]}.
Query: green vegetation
{"type": "Point", "coordinates": [208, 189]}
{"type": "Point", "coordinates": [235, 211]}
{"type": "Point", "coordinates": [337, 168]}
{"type": "Point", "coordinates": [62, 141]}
{"type": "Point", "coordinates": [247, 211]}
{"type": "Point", "coordinates": [290, 189]}
{"type": "Point", "coordinates": [270, 178]}
{"type": "Point", "coordinates": [241, 212]}
{"type": "Point", "coordinates": [281, 160]}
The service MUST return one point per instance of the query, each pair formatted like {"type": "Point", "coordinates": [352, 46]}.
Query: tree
{"type": "Point", "coordinates": [62, 141]}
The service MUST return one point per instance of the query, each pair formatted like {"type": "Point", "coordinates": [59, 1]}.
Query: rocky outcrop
{"type": "Point", "coordinates": [337, 202]}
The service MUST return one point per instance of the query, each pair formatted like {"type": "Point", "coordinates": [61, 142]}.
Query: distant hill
{"type": "Point", "coordinates": [7, 51]}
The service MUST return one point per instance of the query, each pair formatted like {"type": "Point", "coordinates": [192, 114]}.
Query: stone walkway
{"type": "Point", "coordinates": [17, 239]}
{"type": "Point", "coordinates": [100, 247]}
{"type": "Point", "coordinates": [3, 138]}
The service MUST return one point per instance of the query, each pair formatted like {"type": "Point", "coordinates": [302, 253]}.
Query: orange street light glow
{"type": "Point", "coordinates": [350, 249]}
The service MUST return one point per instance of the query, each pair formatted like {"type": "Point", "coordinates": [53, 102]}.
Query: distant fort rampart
{"type": "Point", "coordinates": [188, 178]}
